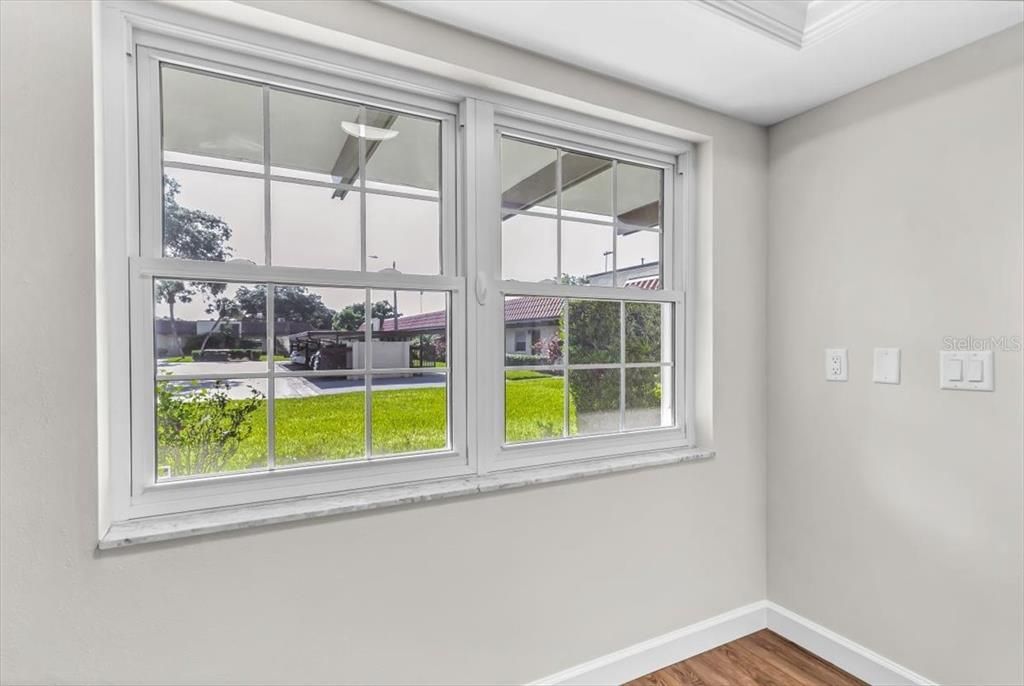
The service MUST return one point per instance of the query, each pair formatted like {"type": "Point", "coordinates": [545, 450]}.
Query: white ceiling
{"type": "Point", "coordinates": [762, 61]}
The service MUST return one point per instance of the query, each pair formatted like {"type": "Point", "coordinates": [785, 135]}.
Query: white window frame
{"type": "Point", "coordinates": [677, 180]}
{"type": "Point", "coordinates": [134, 37]}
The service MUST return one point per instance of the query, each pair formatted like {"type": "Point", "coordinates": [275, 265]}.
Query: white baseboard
{"type": "Point", "coordinates": [854, 658]}
{"type": "Point", "coordinates": [653, 654]}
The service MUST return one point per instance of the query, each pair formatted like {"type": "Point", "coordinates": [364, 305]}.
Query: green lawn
{"type": "Point", "coordinates": [331, 427]}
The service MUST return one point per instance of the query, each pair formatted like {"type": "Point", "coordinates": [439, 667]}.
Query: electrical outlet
{"type": "Point", "coordinates": [835, 364]}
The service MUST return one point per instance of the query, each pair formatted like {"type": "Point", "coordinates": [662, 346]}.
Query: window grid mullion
{"type": "Point", "coordinates": [271, 333]}
{"type": "Point", "coordinates": [622, 365]}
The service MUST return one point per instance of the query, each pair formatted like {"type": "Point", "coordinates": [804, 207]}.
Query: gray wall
{"type": "Point", "coordinates": [895, 512]}
{"type": "Point", "coordinates": [503, 588]}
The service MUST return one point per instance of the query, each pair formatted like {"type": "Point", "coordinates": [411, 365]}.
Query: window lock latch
{"type": "Point", "coordinates": [481, 288]}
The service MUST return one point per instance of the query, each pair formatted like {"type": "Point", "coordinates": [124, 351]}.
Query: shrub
{"type": "Point", "coordinates": [199, 430]}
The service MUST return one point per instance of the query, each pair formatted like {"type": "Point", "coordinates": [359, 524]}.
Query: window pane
{"type": "Point", "coordinates": [210, 427]}
{"type": "Point", "coordinates": [587, 186]}
{"type": "Point", "coordinates": [528, 175]}
{"type": "Point", "coordinates": [211, 120]}
{"type": "Point", "coordinates": [319, 419]}
{"type": "Point", "coordinates": [410, 329]}
{"type": "Point", "coordinates": [595, 399]}
{"type": "Point", "coordinates": [318, 327]}
{"type": "Point", "coordinates": [647, 335]}
{"type": "Point", "coordinates": [638, 196]}
{"type": "Point", "coordinates": [586, 252]}
{"type": "Point", "coordinates": [410, 413]}
{"type": "Point", "coordinates": [315, 227]}
{"type": "Point", "coordinates": [536, 322]}
{"type": "Point", "coordinates": [402, 234]}
{"type": "Point", "coordinates": [209, 327]}
{"type": "Point", "coordinates": [639, 258]}
{"type": "Point", "coordinates": [215, 217]}
{"type": "Point", "coordinates": [307, 140]}
{"type": "Point", "coordinates": [648, 396]}
{"type": "Point", "coordinates": [594, 332]}
{"type": "Point", "coordinates": [410, 161]}
{"type": "Point", "coordinates": [529, 248]}
{"type": "Point", "coordinates": [534, 405]}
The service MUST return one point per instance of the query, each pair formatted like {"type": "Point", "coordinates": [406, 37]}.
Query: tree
{"type": "Point", "coordinates": [384, 310]}
{"type": "Point", "coordinates": [350, 318]}
{"type": "Point", "coordinates": [224, 308]}
{"type": "Point", "coordinates": [192, 235]}
{"type": "Point", "coordinates": [354, 316]}
{"type": "Point", "coordinates": [594, 338]}
{"type": "Point", "coordinates": [291, 303]}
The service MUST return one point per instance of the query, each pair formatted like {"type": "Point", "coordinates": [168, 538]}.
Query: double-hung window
{"type": "Point", "coordinates": [588, 264]}
{"type": "Point", "coordinates": [335, 285]}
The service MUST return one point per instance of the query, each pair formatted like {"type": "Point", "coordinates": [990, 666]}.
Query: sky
{"type": "Point", "coordinates": [218, 122]}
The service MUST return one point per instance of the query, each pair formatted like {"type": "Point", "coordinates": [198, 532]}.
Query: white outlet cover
{"type": "Point", "coordinates": [887, 365]}
{"type": "Point", "coordinates": [836, 364]}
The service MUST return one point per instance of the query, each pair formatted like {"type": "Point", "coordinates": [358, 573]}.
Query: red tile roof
{"type": "Point", "coordinates": [650, 283]}
{"type": "Point", "coordinates": [523, 309]}
{"type": "Point", "coordinates": [531, 308]}
{"type": "Point", "coordinates": [428, 321]}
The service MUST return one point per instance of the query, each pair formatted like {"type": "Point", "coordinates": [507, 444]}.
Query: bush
{"type": "Point", "coordinates": [199, 430]}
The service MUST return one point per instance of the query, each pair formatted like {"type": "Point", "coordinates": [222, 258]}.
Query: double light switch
{"type": "Point", "coordinates": [966, 371]}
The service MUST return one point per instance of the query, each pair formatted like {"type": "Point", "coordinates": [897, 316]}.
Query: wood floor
{"type": "Point", "coordinates": [760, 659]}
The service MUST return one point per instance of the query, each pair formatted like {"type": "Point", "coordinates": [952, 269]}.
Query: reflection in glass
{"type": "Point", "coordinates": [213, 217]}
{"type": "Point", "coordinates": [645, 332]}
{"type": "Point", "coordinates": [402, 234]}
{"type": "Point", "coordinates": [307, 141]}
{"type": "Point", "coordinates": [587, 186]}
{"type": "Point", "coordinates": [586, 252]}
{"type": "Point", "coordinates": [410, 413]}
{"type": "Point", "coordinates": [638, 196]}
{"type": "Point", "coordinates": [208, 327]}
{"type": "Point", "coordinates": [211, 120]}
{"type": "Point", "coordinates": [319, 419]}
{"type": "Point", "coordinates": [594, 332]}
{"type": "Point", "coordinates": [410, 329]}
{"type": "Point", "coordinates": [410, 162]}
{"type": "Point", "coordinates": [528, 175]}
{"type": "Point", "coordinates": [647, 390]}
{"type": "Point", "coordinates": [534, 405]}
{"type": "Point", "coordinates": [210, 427]}
{"type": "Point", "coordinates": [595, 397]}
{"type": "Point", "coordinates": [315, 227]}
{"type": "Point", "coordinates": [639, 253]}
{"type": "Point", "coordinates": [529, 248]}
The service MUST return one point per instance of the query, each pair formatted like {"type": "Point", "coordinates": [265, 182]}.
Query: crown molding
{"type": "Point", "coordinates": [795, 23]}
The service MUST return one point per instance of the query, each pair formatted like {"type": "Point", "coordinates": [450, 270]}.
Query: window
{"type": "Point", "coordinates": [582, 260]}
{"type": "Point", "coordinates": [334, 284]}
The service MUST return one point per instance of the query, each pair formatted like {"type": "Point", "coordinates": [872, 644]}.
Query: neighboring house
{"type": "Point", "coordinates": [252, 330]}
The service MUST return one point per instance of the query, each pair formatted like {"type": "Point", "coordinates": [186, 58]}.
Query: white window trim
{"type": "Point", "coordinates": [475, 464]}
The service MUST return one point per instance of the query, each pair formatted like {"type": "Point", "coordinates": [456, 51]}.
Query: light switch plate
{"type": "Point", "coordinates": [887, 365]}
{"type": "Point", "coordinates": [836, 367]}
{"type": "Point", "coordinates": [966, 371]}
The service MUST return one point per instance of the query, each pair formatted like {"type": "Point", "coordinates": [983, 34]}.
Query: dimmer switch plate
{"type": "Point", "coordinates": [836, 367]}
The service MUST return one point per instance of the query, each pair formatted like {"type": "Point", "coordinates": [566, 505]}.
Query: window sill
{"type": "Point", "coordinates": [198, 523]}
